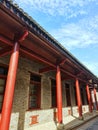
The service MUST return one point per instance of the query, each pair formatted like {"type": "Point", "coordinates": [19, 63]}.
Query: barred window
{"type": "Point", "coordinates": [34, 91]}
{"type": "Point", "coordinates": [3, 73]}
{"type": "Point", "coordinates": [68, 95]}
{"type": "Point", "coordinates": [53, 93]}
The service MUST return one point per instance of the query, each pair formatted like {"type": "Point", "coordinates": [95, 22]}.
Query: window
{"type": "Point", "coordinates": [86, 102]}
{"type": "Point", "coordinates": [2, 87]}
{"type": "Point", "coordinates": [68, 99]}
{"type": "Point", "coordinates": [83, 95]}
{"type": "Point", "coordinates": [3, 73]}
{"type": "Point", "coordinates": [34, 91]}
{"type": "Point", "coordinates": [75, 95]}
{"type": "Point", "coordinates": [53, 93]}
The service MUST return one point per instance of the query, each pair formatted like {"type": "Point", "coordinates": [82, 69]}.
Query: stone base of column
{"type": "Point", "coordinates": [60, 126]}
{"type": "Point", "coordinates": [90, 113]}
{"type": "Point", "coordinates": [80, 117]}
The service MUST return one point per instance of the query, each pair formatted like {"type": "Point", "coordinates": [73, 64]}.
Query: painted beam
{"type": "Point", "coordinates": [81, 72]}
{"type": "Point", "coordinates": [6, 40]}
{"type": "Point", "coordinates": [5, 51]}
{"type": "Point", "coordinates": [37, 57]}
{"type": "Point", "coordinates": [46, 69]}
{"type": "Point", "coordinates": [63, 62]}
{"type": "Point", "coordinates": [23, 36]}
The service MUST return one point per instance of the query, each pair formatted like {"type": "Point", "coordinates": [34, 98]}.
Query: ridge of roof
{"type": "Point", "coordinates": [13, 7]}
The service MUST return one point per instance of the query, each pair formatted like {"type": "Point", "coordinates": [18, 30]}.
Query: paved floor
{"type": "Point", "coordinates": [91, 125]}
{"type": "Point", "coordinates": [79, 124]}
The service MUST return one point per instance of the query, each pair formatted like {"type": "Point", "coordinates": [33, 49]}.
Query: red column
{"type": "Point", "coordinates": [89, 98]}
{"type": "Point", "coordinates": [9, 91]}
{"type": "Point", "coordinates": [95, 98]}
{"type": "Point", "coordinates": [59, 94]}
{"type": "Point", "coordinates": [78, 98]}
{"type": "Point", "coordinates": [0, 118]}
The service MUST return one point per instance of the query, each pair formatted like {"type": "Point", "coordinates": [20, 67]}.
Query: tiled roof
{"type": "Point", "coordinates": [39, 30]}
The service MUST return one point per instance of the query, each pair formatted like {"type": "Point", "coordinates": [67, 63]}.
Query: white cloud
{"type": "Point", "coordinates": [79, 34]}
{"type": "Point", "coordinates": [68, 8]}
{"type": "Point", "coordinates": [75, 34]}
{"type": "Point", "coordinates": [93, 66]}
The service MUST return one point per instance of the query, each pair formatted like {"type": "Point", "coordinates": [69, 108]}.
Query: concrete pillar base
{"type": "Point", "coordinates": [60, 126]}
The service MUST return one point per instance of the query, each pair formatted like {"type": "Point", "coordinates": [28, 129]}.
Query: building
{"type": "Point", "coordinates": [41, 83]}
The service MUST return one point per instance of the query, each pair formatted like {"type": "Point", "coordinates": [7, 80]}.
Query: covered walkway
{"type": "Point", "coordinates": [40, 79]}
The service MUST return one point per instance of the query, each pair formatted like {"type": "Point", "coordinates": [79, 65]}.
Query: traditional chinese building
{"type": "Point", "coordinates": [41, 83]}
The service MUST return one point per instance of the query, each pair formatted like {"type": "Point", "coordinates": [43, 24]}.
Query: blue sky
{"type": "Point", "coordinates": [74, 23]}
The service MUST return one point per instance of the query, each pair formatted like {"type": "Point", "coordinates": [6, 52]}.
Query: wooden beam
{"type": "Point", "coordinates": [32, 54]}
{"type": "Point", "coordinates": [23, 36]}
{"type": "Point", "coordinates": [35, 56]}
{"type": "Point", "coordinates": [20, 37]}
{"type": "Point", "coordinates": [46, 69]}
{"type": "Point", "coordinates": [6, 40]}
{"type": "Point", "coordinates": [67, 78]}
{"type": "Point", "coordinates": [17, 38]}
{"type": "Point", "coordinates": [81, 72]}
{"type": "Point", "coordinates": [5, 51]}
{"type": "Point", "coordinates": [62, 62]}
{"type": "Point", "coordinates": [3, 76]}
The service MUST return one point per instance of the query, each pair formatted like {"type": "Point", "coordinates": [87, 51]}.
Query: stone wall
{"type": "Point", "coordinates": [21, 95]}
{"type": "Point", "coordinates": [23, 118]}
{"type": "Point", "coordinates": [45, 92]}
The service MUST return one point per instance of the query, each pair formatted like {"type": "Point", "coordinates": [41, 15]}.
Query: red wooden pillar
{"type": "Point", "coordinates": [78, 98]}
{"type": "Point", "coordinates": [89, 98]}
{"type": "Point", "coordinates": [59, 95]}
{"type": "Point", "coordinates": [0, 118]}
{"type": "Point", "coordinates": [95, 99]}
{"type": "Point", "coordinates": [9, 91]}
